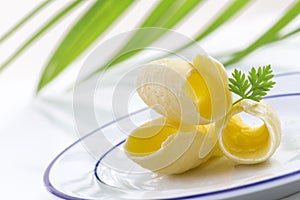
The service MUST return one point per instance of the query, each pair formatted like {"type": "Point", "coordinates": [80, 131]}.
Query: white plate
{"type": "Point", "coordinates": [104, 171]}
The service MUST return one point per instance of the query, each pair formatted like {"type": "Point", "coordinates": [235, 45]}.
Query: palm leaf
{"type": "Point", "coordinates": [229, 12]}
{"type": "Point", "coordinates": [40, 32]}
{"type": "Point", "coordinates": [165, 15]}
{"type": "Point", "coordinates": [271, 35]}
{"type": "Point", "coordinates": [165, 10]}
{"type": "Point", "coordinates": [289, 34]}
{"type": "Point", "coordinates": [24, 20]}
{"type": "Point", "coordinates": [234, 8]}
{"type": "Point", "coordinates": [89, 27]}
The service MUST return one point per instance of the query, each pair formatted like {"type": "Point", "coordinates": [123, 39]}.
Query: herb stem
{"type": "Point", "coordinates": [238, 101]}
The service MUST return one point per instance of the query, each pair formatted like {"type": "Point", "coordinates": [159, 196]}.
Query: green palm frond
{"type": "Point", "coordinates": [229, 12]}
{"type": "Point", "coordinates": [26, 18]}
{"type": "Point", "coordinates": [287, 35]}
{"type": "Point", "coordinates": [271, 35]}
{"type": "Point", "coordinates": [234, 8]}
{"type": "Point", "coordinates": [87, 29]}
{"type": "Point", "coordinates": [40, 32]}
{"type": "Point", "coordinates": [167, 14]}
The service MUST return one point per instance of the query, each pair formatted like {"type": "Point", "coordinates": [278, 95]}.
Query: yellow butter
{"type": "Point", "coordinates": [194, 93]}
{"type": "Point", "coordinates": [164, 147]}
{"type": "Point", "coordinates": [245, 144]}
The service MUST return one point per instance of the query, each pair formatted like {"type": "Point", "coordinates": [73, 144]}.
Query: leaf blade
{"type": "Point", "coordinates": [270, 35]}
{"type": "Point", "coordinates": [229, 12]}
{"type": "Point", "coordinates": [26, 18]}
{"type": "Point", "coordinates": [225, 16]}
{"type": "Point", "coordinates": [165, 15]}
{"type": "Point", "coordinates": [86, 30]}
{"type": "Point", "coordinates": [40, 32]}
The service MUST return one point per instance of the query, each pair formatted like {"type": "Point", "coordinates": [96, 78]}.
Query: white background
{"type": "Point", "coordinates": [30, 138]}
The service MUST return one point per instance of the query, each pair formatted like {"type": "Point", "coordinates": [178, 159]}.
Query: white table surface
{"type": "Point", "coordinates": [35, 129]}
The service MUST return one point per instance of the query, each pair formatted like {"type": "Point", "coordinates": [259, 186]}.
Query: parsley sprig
{"type": "Point", "coordinates": [254, 86]}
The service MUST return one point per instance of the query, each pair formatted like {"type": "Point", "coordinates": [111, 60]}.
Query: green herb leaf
{"type": "Point", "coordinates": [254, 86]}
